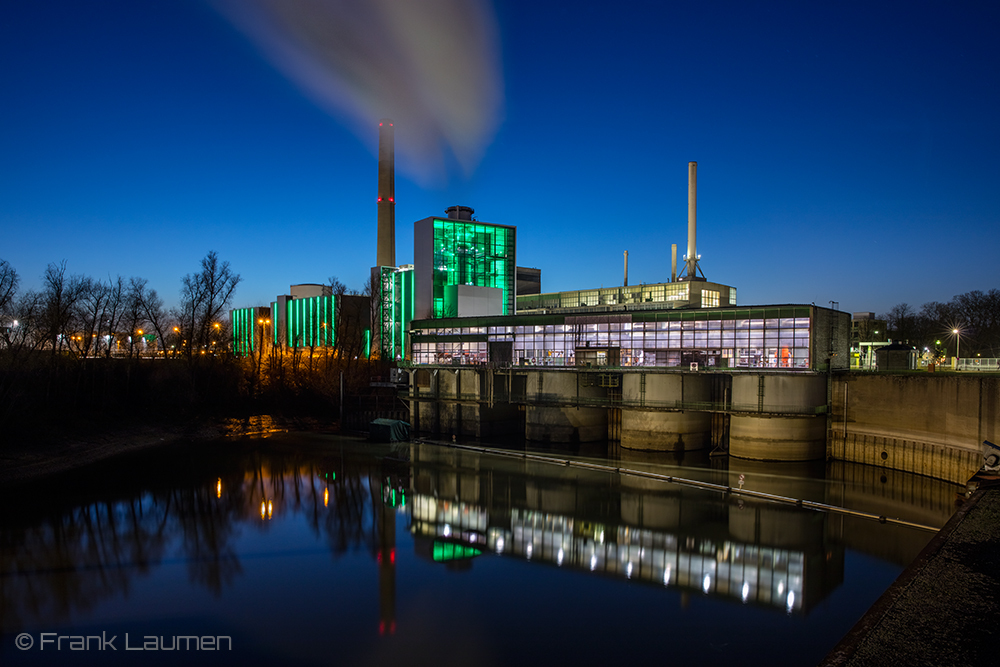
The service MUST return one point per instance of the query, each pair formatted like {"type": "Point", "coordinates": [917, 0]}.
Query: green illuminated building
{"type": "Point", "coordinates": [458, 251]}
{"type": "Point", "coordinates": [250, 326]}
{"type": "Point", "coordinates": [310, 317]}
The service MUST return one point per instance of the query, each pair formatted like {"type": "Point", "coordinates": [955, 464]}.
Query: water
{"type": "Point", "coordinates": [328, 550]}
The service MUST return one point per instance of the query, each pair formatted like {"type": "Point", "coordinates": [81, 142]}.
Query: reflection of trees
{"type": "Point", "coordinates": [71, 561]}
{"type": "Point", "coordinates": [59, 558]}
{"type": "Point", "coordinates": [206, 529]}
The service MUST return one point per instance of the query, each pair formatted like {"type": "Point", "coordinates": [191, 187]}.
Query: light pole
{"type": "Point", "coordinates": [958, 345]}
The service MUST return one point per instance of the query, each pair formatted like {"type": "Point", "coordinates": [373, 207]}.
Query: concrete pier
{"type": "Point", "coordinates": [786, 426]}
{"type": "Point", "coordinates": [649, 430]}
{"type": "Point", "coordinates": [565, 424]}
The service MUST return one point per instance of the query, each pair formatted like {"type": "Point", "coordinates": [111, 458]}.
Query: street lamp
{"type": "Point", "coordinates": [958, 343]}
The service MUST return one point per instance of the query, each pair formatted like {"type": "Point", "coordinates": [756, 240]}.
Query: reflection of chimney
{"type": "Point", "coordinates": [385, 518]}
{"type": "Point", "coordinates": [386, 251]}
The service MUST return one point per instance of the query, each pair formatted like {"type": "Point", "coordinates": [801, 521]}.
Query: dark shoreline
{"type": "Point", "coordinates": [63, 450]}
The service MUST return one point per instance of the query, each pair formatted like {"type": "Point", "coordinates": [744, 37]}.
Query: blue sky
{"type": "Point", "coordinates": [846, 151]}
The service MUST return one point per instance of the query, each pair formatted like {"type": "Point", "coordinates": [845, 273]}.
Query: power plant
{"type": "Point", "coordinates": [463, 304]}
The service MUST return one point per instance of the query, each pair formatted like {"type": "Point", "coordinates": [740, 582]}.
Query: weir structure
{"type": "Point", "coordinates": [929, 425]}
{"type": "Point", "coordinates": [784, 418]}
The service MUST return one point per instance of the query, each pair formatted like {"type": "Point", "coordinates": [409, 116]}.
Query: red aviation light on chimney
{"type": "Point", "coordinates": [379, 199]}
{"type": "Point", "coordinates": [392, 199]}
{"type": "Point", "coordinates": [380, 125]}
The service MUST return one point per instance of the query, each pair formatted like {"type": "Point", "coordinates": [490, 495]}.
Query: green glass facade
{"type": "Point", "coordinates": [472, 253]}
{"type": "Point", "coordinates": [329, 322]}
{"type": "Point", "coordinates": [310, 322]}
{"type": "Point", "coordinates": [248, 329]}
{"type": "Point", "coordinates": [402, 310]}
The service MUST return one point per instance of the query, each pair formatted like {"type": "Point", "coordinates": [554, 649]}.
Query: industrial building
{"type": "Point", "coordinates": [310, 316]}
{"type": "Point", "coordinates": [791, 337]}
{"type": "Point", "coordinates": [464, 301]}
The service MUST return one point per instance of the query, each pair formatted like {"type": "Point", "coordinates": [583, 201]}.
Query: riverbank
{"type": "Point", "coordinates": [942, 609]}
{"type": "Point", "coordinates": [58, 449]}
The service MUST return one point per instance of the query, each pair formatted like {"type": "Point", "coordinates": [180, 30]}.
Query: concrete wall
{"type": "Point", "coordinates": [767, 437]}
{"type": "Point", "coordinates": [665, 431]}
{"type": "Point", "coordinates": [831, 333]}
{"type": "Point", "coordinates": [458, 411]}
{"type": "Point", "coordinates": [929, 424]}
{"type": "Point", "coordinates": [557, 424]}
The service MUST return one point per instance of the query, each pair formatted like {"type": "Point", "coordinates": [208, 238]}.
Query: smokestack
{"type": "Point", "coordinates": [386, 250]}
{"type": "Point", "coordinates": [692, 253]}
{"type": "Point", "coordinates": [626, 268]}
{"type": "Point", "coordinates": [673, 262]}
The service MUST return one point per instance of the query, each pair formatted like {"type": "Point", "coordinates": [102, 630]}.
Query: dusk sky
{"type": "Point", "coordinates": [846, 151]}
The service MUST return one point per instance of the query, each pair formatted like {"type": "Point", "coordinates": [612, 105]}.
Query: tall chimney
{"type": "Point", "coordinates": [386, 250]}
{"type": "Point", "coordinates": [673, 262]}
{"type": "Point", "coordinates": [692, 252]}
{"type": "Point", "coordinates": [626, 268]}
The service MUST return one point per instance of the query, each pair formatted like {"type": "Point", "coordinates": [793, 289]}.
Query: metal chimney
{"type": "Point", "coordinates": [692, 253]}
{"type": "Point", "coordinates": [691, 261]}
{"type": "Point", "coordinates": [386, 250]}
{"type": "Point", "coordinates": [626, 268]}
{"type": "Point", "coordinates": [673, 262]}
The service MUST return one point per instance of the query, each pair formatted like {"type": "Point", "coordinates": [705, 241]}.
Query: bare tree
{"type": "Point", "coordinates": [114, 312]}
{"type": "Point", "coordinates": [90, 313]}
{"type": "Point", "coordinates": [8, 290]}
{"type": "Point", "coordinates": [60, 295]}
{"type": "Point", "coordinates": [336, 287]}
{"type": "Point", "coordinates": [205, 296]}
{"type": "Point", "coordinates": [901, 320]}
{"type": "Point", "coordinates": [154, 313]}
{"type": "Point", "coordinates": [133, 315]}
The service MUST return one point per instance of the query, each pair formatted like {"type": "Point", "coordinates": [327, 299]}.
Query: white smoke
{"type": "Point", "coordinates": [433, 66]}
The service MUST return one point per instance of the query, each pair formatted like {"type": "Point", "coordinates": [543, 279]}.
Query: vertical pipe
{"type": "Point", "coordinates": [626, 268]}
{"type": "Point", "coordinates": [673, 262]}
{"type": "Point", "coordinates": [692, 249]}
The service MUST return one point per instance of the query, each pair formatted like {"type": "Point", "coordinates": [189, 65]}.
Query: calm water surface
{"type": "Point", "coordinates": [305, 549]}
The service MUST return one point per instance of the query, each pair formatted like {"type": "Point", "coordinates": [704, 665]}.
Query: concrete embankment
{"type": "Point", "coordinates": [944, 608]}
{"type": "Point", "coordinates": [929, 424]}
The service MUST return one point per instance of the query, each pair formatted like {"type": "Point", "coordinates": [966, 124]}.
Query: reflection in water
{"type": "Point", "coordinates": [103, 534]}
{"type": "Point", "coordinates": [700, 553]}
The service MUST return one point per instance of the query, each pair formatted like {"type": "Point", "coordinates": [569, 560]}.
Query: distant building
{"type": "Point", "coordinates": [687, 294]}
{"type": "Point", "coordinates": [311, 316]}
{"type": "Point", "coordinates": [529, 281]}
{"type": "Point", "coordinates": [867, 334]}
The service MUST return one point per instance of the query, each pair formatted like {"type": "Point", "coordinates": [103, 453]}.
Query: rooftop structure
{"type": "Point", "coordinates": [460, 251]}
